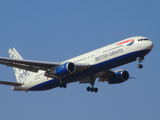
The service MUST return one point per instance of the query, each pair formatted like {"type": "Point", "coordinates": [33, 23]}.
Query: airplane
{"type": "Point", "coordinates": [34, 75]}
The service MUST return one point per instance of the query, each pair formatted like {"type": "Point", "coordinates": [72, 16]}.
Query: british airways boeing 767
{"type": "Point", "coordinates": [38, 75]}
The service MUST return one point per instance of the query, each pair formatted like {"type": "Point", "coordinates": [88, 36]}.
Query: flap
{"type": "Point", "coordinates": [85, 81]}
{"type": "Point", "coordinates": [105, 76]}
{"type": "Point", "coordinates": [81, 67]}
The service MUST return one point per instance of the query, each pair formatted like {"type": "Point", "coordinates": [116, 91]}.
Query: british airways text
{"type": "Point", "coordinates": [108, 54]}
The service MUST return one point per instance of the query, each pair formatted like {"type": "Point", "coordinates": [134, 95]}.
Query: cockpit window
{"type": "Point", "coordinates": [142, 39]}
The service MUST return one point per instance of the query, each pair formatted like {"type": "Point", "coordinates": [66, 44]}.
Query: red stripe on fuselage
{"type": "Point", "coordinates": [125, 42]}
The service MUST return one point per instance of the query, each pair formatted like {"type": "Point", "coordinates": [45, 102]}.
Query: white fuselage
{"type": "Point", "coordinates": [99, 56]}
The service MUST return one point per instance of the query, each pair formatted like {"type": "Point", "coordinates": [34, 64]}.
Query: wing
{"type": "Point", "coordinates": [17, 61]}
{"type": "Point", "coordinates": [10, 83]}
{"type": "Point", "coordinates": [29, 65]}
{"type": "Point", "coordinates": [103, 76]}
{"type": "Point", "coordinates": [34, 66]}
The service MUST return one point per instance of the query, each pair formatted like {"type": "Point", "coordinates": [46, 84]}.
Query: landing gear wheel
{"type": "Point", "coordinates": [62, 85]}
{"type": "Point", "coordinates": [140, 60]}
{"type": "Point", "coordinates": [88, 89]}
{"type": "Point", "coordinates": [92, 89]}
{"type": "Point", "coordinates": [95, 90]}
{"type": "Point", "coordinates": [140, 66]}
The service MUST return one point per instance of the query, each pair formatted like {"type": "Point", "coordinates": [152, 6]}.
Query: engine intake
{"type": "Point", "coordinates": [65, 69]}
{"type": "Point", "coordinates": [118, 77]}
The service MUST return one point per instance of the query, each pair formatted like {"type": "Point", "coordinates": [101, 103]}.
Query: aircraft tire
{"type": "Point", "coordinates": [64, 85]}
{"type": "Point", "coordinates": [92, 89]}
{"type": "Point", "coordinates": [95, 90]}
{"type": "Point", "coordinates": [140, 66]}
{"type": "Point", "coordinates": [88, 89]}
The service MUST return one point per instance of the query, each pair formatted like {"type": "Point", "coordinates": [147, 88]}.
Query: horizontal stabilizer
{"type": "Point", "coordinates": [10, 83]}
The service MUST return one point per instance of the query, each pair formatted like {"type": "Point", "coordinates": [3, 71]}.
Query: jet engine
{"type": "Point", "coordinates": [118, 77]}
{"type": "Point", "coordinates": [65, 69]}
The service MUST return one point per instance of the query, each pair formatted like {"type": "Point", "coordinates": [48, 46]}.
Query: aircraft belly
{"type": "Point", "coordinates": [45, 85]}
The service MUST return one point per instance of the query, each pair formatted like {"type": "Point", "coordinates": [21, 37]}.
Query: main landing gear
{"type": "Point", "coordinates": [62, 85]}
{"type": "Point", "coordinates": [92, 89]}
{"type": "Point", "coordinates": [140, 60]}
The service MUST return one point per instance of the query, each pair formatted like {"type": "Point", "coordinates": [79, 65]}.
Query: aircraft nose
{"type": "Point", "coordinates": [150, 45]}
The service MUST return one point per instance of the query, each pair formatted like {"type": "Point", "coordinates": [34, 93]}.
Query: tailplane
{"type": "Point", "coordinates": [21, 75]}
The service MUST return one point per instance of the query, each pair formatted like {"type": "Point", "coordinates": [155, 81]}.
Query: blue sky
{"type": "Point", "coordinates": [58, 30]}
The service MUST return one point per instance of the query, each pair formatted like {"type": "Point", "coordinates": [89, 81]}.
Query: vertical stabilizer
{"type": "Point", "coordinates": [21, 75]}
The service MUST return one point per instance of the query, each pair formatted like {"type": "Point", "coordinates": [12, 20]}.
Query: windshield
{"type": "Point", "coordinates": [143, 39]}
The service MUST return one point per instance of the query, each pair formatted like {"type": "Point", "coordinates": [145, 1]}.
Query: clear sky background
{"type": "Point", "coordinates": [57, 30]}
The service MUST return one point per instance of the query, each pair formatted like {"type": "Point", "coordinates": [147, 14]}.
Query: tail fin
{"type": "Point", "coordinates": [21, 75]}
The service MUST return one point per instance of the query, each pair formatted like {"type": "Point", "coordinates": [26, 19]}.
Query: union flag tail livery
{"type": "Point", "coordinates": [34, 75]}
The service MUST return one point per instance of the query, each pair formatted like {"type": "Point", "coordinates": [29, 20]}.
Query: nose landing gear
{"type": "Point", "coordinates": [140, 60]}
{"type": "Point", "coordinates": [140, 66]}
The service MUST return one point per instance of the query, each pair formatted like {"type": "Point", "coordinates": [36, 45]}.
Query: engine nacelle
{"type": "Point", "coordinates": [65, 69]}
{"type": "Point", "coordinates": [119, 77]}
